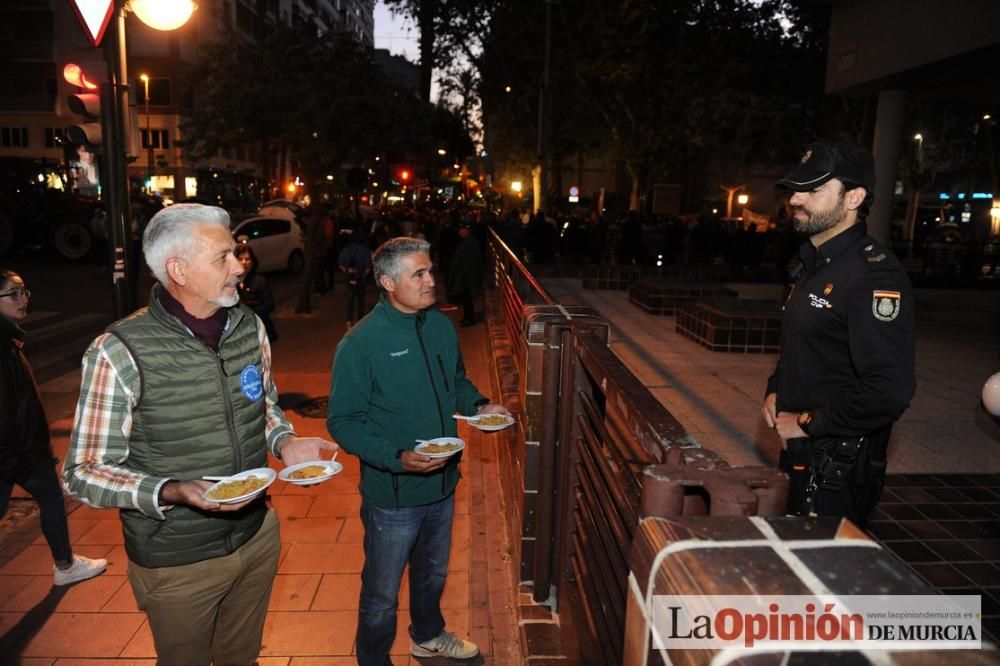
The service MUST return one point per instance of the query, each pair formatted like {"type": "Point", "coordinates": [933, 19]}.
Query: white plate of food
{"type": "Point", "coordinates": [440, 447]}
{"type": "Point", "coordinates": [308, 473]}
{"type": "Point", "coordinates": [240, 487]}
{"type": "Point", "coordinates": [489, 422]}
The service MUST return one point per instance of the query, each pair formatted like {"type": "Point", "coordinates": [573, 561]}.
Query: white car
{"type": "Point", "coordinates": [282, 208]}
{"type": "Point", "coordinates": [279, 243]}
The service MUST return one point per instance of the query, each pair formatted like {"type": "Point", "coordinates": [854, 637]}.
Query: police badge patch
{"type": "Point", "coordinates": [885, 305]}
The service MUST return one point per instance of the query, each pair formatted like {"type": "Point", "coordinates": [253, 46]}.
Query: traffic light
{"type": "Point", "coordinates": [404, 176]}
{"type": "Point", "coordinates": [85, 103]}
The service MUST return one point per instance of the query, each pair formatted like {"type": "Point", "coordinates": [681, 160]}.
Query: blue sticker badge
{"type": "Point", "coordinates": [252, 383]}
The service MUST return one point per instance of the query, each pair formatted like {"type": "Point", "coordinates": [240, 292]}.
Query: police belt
{"type": "Point", "coordinates": [833, 458]}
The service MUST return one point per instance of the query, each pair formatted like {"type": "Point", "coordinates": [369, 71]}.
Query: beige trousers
{"type": "Point", "coordinates": [211, 612]}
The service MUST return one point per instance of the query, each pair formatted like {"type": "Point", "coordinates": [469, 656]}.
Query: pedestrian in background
{"type": "Point", "coordinates": [846, 368]}
{"type": "Point", "coordinates": [255, 290]}
{"type": "Point", "coordinates": [176, 391]}
{"type": "Point", "coordinates": [356, 261]}
{"type": "Point", "coordinates": [398, 376]}
{"type": "Point", "coordinates": [25, 448]}
{"type": "Point", "coordinates": [465, 278]}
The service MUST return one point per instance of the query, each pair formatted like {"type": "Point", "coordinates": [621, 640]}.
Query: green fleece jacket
{"type": "Point", "coordinates": [397, 378]}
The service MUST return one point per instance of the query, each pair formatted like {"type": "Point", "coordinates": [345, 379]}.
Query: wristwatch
{"type": "Point", "coordinates": [805, 418]}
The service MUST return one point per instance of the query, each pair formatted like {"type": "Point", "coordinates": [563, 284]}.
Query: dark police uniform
{"type": "Point", "coordinates": [846, 364]}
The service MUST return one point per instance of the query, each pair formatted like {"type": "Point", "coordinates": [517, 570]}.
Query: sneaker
{"type": "Point", "coordinates": [82, 569]}
{"type": "Point", "coordinates": [446, 644]}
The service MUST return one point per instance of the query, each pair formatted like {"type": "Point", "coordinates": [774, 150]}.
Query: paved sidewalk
{"type": "Point", "coordinates": [313, 610]}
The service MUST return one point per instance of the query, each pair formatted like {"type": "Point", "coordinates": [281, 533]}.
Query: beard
{"type": "Point", "coordinates": [227, 301]}
{"type": "Point", "coordinates": [818, 221]}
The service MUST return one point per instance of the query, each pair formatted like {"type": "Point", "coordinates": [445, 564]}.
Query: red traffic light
{"type": "Point", "coordinates": [75, 75]}
{"type": "Point", "coordinates": [404, 175]}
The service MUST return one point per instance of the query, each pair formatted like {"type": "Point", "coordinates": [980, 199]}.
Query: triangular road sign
{"type": "Point", "coordinates": [94, 16]}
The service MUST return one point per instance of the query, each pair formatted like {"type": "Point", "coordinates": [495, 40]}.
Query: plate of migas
{"type": "Point", "coordinates": [439, 447]}
{"type": "Point", "coordinates": [487, 422]}
{"type": "Point", "coordinates": [309, 473]}
{"type": "Point", "coordinates": [239, 487]}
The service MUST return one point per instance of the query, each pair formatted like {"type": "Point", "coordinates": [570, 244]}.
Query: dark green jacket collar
{"type": "Point", "coordinates": [398, 318]}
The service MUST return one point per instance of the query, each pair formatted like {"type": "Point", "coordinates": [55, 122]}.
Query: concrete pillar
{"type": "Point", "coordinates": [887, 144]}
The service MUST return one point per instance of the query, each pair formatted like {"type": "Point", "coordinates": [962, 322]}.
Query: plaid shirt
{"type": "Point", "coordinates": [95, 470]}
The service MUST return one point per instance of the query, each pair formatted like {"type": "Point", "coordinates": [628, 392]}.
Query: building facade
{"type": "Point", "coordinates": [44, 35]}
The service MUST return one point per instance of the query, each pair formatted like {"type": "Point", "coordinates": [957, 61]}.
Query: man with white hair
{"type": "Point", "coordinates": [176, 391]}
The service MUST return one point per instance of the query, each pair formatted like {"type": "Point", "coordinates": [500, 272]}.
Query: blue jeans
{"type": "Point", "coordinates": [44, 486]}
{"type": "Point", "coordinates": [420, 536]}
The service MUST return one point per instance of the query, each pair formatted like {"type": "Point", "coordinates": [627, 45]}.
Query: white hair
{"type": "Point", "coordinates": [170, 233]}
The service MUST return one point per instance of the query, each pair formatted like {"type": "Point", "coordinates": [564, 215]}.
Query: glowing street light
{"type": "Point", "coordinates": [160, 15]}
{"type": "Point", "coordinates": [743, 199]}
{"type": "Point", "coordinates": [149, 137]}
{"type": "Point", "coordinates": [516, 186]}
{"type": "Point", "coordinates": [442, 152]}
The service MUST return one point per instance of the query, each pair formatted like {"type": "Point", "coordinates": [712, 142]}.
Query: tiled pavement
{"type": "Point", "coordinates": [313, 609]}
{"type": "Point", "coordinates": [946, 527]}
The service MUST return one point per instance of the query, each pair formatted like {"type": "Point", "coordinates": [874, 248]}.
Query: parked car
{"type": "Point", "coordinates": [279, 243]}
{"type": "Point", "coordinates": [282, 208]}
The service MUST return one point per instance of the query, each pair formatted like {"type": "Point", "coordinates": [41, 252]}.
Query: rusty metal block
{"type": "Point", "coordinates": [706, 486]}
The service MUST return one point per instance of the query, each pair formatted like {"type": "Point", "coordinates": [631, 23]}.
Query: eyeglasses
{"type": "Point", "coordinates": [17, 294]}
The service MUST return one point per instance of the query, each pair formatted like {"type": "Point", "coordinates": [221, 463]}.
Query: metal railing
{"type": "Point", "coordinates": [516, 286]}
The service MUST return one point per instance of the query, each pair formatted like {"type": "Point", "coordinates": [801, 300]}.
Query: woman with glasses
{"type": "Point", "coordinates": [25, 450]}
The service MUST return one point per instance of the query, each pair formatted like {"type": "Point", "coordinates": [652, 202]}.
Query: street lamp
{"type": "Point", "coordinates": [159, 15]}
{"type": "Point", "coordinates": [919, 138]}
{"type": "Point", "coordinates": [149, 137]}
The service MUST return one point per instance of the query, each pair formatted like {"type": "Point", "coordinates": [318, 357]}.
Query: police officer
{"type": "Point", "coordinates": [845, 372]}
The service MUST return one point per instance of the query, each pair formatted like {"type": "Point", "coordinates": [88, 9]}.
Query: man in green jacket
{"type": "Point", "coordinates": [175, 391]}
{"type": "Point", "coordinates": [398, 377]}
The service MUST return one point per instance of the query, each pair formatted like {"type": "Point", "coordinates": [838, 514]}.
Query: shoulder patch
{"type": "Point", "coordinates": [885, 304]}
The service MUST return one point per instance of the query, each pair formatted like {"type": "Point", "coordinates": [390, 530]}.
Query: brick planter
{"type": "Point", "coordinates": [732, 325]}
{"type": "Point", "coordinates": [662, 296]}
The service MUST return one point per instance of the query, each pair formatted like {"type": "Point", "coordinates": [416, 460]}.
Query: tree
{"type": "Point", "coordinates": [319, 99]}
{"type": "Point", "coordinates": [669, 89]}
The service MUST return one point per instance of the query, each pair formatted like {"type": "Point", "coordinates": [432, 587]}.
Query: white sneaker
{"type": "Point", "coordinates": [446, 644]}
{"type": "Point", "coordinates": [82, 569]}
